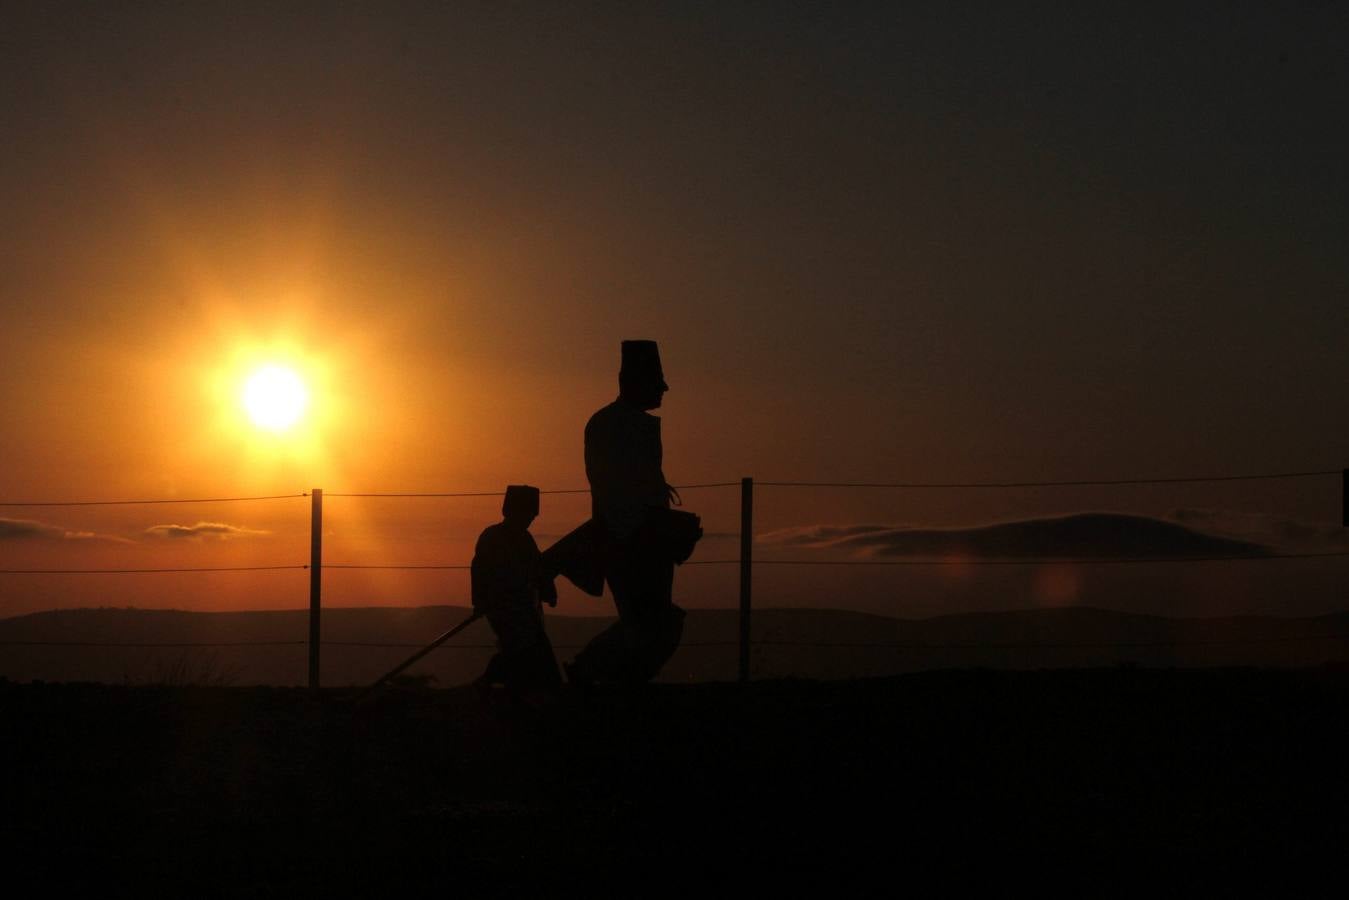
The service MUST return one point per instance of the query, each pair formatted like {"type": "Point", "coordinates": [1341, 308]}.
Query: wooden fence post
{"type": "Point", "coordinates": [746, 569]}
{"type": "Point", "coordinates": [315, 583]}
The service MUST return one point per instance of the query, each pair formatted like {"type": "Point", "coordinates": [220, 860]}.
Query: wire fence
{"type": "Point", "coordinates": [745, 562]}
{"type": "Point", "coordinates": [958, 563]}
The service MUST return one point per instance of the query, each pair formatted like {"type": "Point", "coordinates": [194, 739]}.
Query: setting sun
{"type": "Point", "coordinates": [275, 398]}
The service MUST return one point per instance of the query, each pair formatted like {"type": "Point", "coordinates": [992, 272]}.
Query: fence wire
{"type": "Point", "coordinates": [151, 501]}
{"type": "Point", "coordinates": [894, 645]}
{"type": "Point", "coordinates": [1104, 482]}
{"type": "Point", "coordinates": [149, 571]}
{"type": "Point", "coordinates": [585, 490]}
{"type": "Point", "coordinates": [1047, 561]}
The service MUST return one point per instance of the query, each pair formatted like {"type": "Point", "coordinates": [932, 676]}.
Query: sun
{"type": "Point", "coordinates": [275, 398]}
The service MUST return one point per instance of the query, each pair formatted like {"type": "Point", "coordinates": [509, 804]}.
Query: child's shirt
{"type": "Point", "coordinates": [505, 564]}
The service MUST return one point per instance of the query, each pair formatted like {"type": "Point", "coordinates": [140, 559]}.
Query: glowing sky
{"type": "Point", "coordinates": [875, 243]}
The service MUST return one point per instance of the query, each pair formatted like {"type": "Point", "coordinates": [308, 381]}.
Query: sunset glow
{"type": "Point", "coordinates": [396, 252]}
{"type": "Point", "coordinates": [275, 398]}
{"type": "Point", "coordinates": [484, 444]}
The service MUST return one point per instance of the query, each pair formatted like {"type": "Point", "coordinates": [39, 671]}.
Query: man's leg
{"type": "Point", "coordinates": [649, 626]}
{"type": "Point", "coordinates": [660, 625]}
{"type": "Point", "coordinates": [604, 657]}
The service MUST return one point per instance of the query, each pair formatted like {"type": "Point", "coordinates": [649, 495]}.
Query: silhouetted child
{"type": "Point", "coordinates": [508, 586]}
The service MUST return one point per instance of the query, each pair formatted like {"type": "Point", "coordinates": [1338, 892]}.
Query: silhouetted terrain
{"type": "Point", "coordinates": [801, 643]}
{"type": "Point", "coordinates": [1086, 782]}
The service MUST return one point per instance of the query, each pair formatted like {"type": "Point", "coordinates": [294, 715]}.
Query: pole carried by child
{"type": "Point", "coordinates": [425, 650]}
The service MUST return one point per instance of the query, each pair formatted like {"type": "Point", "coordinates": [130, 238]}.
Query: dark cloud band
{"type": "Point", "coordinates": [1094, 535]}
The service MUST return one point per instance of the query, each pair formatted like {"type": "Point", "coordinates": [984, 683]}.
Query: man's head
{"type": "Point", "coordinates": [640, 380]}
{"type": "Point", "coordinates": [521, 505]}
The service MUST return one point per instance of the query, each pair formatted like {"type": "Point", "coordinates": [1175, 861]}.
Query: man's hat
{"type": "Point", "coordinates": [521, 500]}
{"type": "Point", "coordinates": [641, 359]}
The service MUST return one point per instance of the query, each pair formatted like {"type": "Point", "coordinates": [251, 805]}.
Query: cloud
{"type": "Point", "coordinates": [31, 530]}
{"type": "Point", "coordinates": [203, 531]}
{"type": "Point", "coordinates": [820, 535]}
{"type": "Point", "coordinates": [1287, 534]}
{"type": "Point", "coordinates": [1084, 535]}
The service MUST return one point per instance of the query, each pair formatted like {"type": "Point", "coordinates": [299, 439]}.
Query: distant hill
{"type": "Point", "coordinates": [113, 645]}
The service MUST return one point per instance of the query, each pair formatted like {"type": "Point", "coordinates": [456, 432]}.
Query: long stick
{"type": "Point", "coordinates": [427, 649]}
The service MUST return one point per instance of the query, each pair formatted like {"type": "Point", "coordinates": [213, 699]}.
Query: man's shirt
{"type": "Point", "coordinates": [623, 464]}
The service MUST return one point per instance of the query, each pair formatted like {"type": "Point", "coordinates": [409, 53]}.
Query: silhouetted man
{"type": "Point", "coordinates": [508, 584]}
{"type": "Point", "coordinates": [623, 464]}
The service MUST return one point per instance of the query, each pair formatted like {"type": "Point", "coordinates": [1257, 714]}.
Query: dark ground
{"type": "Point", "coordinates": [1087, 781]}
{"type": "Point", "coordinates": [144, 646]}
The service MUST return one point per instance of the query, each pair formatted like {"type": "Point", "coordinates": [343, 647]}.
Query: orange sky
{"type": "Point", "coordinates": [873, 245]}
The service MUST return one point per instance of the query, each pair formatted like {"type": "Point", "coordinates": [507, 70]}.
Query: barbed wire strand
{"type": "Point", "coordinates": [149, 501]}
{"type": "Point", "coordinates": [1050, 561]}
{"type": "Point", "coordinates": [350, 566]}
{"type": "Point", "coordinates": [1054, 561]}
{"type": "Point", "coordinates": [144, 644]}
{"type": "Point", "coordinates": [398, 494]}
{"type": "Point", "coordinates": [406, 645]}
{"type": "Point", "coordinates": [1066, 560]}
{"type": "Point", "coordinates": [1101, 482]}
{"type": "Point", "coordinates": [894, 645]}
{"type": "Point", "coordinates": [392, 645]}
{"type": "Point", "coordinates": [147, 571]}
{"type": "Point", "coordinates": [1055, 645]}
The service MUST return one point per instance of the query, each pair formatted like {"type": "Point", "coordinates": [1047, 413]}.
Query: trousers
{"type": "Point", "coordinates": [525, 658]}
{"type": "Point", "coordinates": [650, 626]}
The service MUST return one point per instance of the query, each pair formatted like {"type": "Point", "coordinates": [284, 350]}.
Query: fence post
{"type": "Point", "coordinates": [746, 569]}
{"type": "Point", "coordinates": [315, 583]}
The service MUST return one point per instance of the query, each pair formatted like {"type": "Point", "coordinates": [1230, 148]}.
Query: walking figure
{"type": "Point", "coordinates": [630, 500]}
{"type": "Point", "coordinates": [508, 587]}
